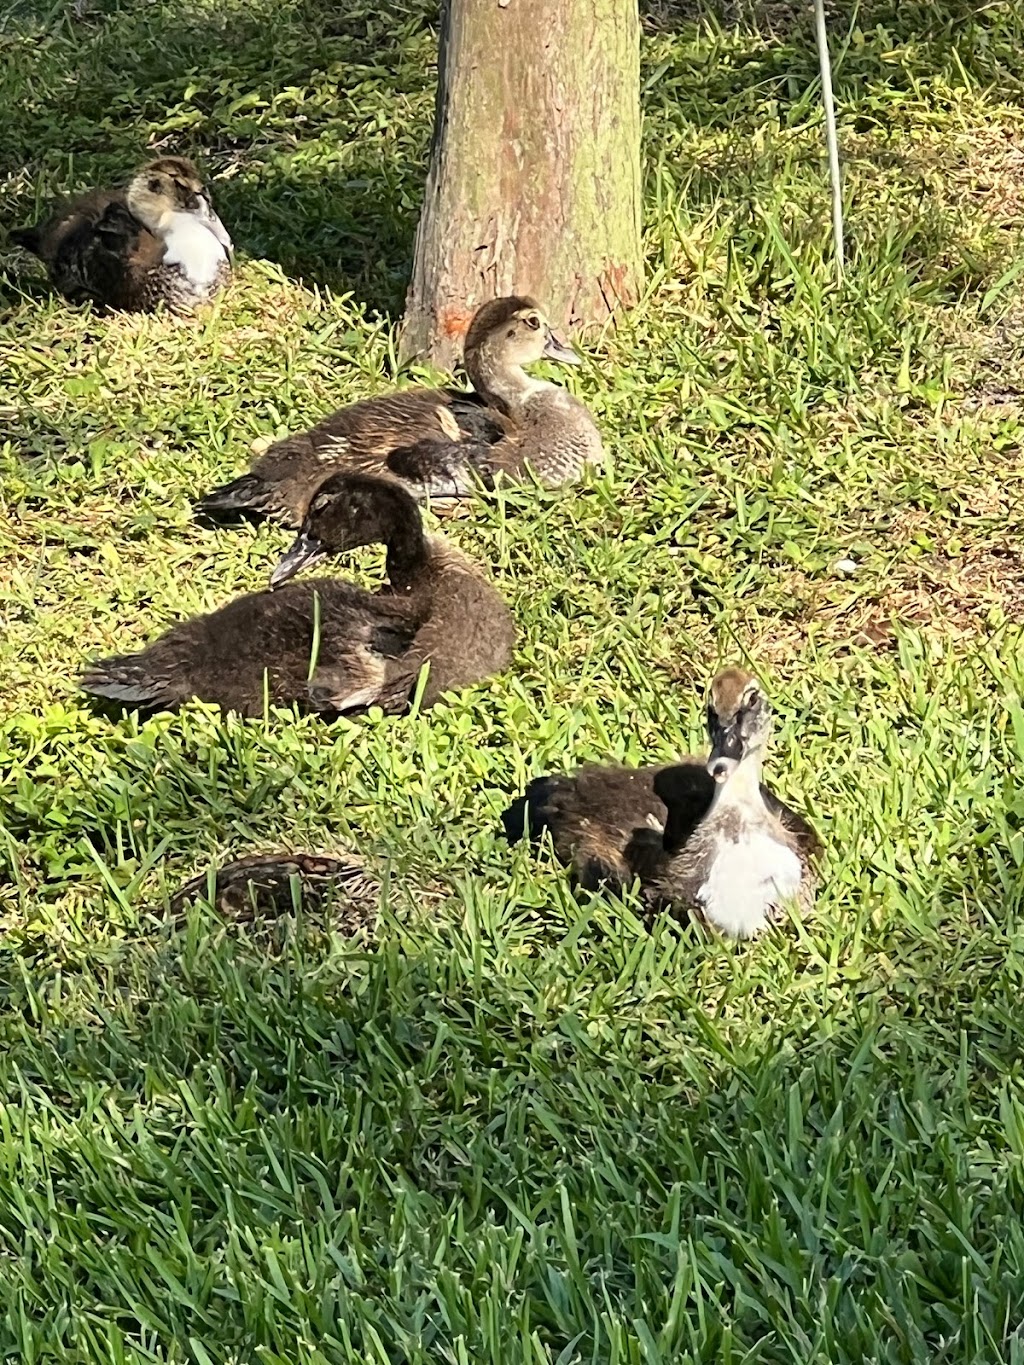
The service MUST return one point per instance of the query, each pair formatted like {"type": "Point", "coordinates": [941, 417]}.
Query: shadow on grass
{"type": "Point", "coordinates": [438, 1159]}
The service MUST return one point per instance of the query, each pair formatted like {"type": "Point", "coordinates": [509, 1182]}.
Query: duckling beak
{"type": "Point", "coordinates": [211, 221]}
{"type": "Point", "coordinates": [304, 553]}
{"type": "Point", "coordinates": [557, 349]}
{"type": "Point", "coordinates": [727, 750]}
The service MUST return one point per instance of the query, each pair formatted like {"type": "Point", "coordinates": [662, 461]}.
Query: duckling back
{"type": "Point", "coordinates": [95, 250]}
{"type": "Point", "coordinates": [263, 648]}
{"type": "Point", "coordinates": [405, 436]}
{"type": "Point", "coordinates": [469, 632]}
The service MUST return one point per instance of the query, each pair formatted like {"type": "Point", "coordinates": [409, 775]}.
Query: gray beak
{"type": "Point", "coordinates": [304, 553]}
{"type": "Point", "coordinates": [557, 349]}
{"type": "Point", "coordinates": [213, 223]}
{"type": "Point", "coordinates": [726, 752]}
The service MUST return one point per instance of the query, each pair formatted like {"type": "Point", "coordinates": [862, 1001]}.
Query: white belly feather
{"type": "Point", "coordinates": [195, 249]}
{"type": "Point", "coordinates": [747, 878]}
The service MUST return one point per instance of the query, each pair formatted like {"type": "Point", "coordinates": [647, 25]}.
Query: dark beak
{"type": "Point", "coordinates": [211, 221]}
{"type": "Point", "coordinates": [557, 349]}
{"type": "Point", "coordinates": [726, 751]}
{"type": "Point", "coordinates": [304, 553]}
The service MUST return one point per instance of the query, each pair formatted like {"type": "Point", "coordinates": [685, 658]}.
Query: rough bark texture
{"type": "Point", "coordinates": [534, 182]}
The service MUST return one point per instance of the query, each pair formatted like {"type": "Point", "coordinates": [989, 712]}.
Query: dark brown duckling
{"type": "Point", "coordinates": [157, 242]}
{"type": "Point", "coordinates": [702, 835]}
{"type": "Point", "coordinates": [438, 443]}
{"type": "Point", "coordinates": [463, 625]}
{"type": "Point", "coordinates": [328, 645]}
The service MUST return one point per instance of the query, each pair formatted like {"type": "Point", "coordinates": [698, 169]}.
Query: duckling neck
{"type": "Point", "coordinates": [503, 386]}
{"type": "Point", "coordinates": [742, 788]}
{"type": "Point", "coordinates": [407, 556]}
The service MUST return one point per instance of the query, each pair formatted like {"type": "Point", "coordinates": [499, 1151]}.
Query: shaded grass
{"type": "Point", "coordinates": [515, 1126]}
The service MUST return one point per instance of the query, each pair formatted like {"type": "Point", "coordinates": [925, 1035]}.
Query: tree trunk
{"type": "Point", "coordinates": [534, 182]}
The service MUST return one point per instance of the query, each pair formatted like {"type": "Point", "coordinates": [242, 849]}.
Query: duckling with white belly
{"type": "Point", "coordinates": [749, 855]}
{"type": "Point", "coordinates": [158, 242]}
{"type": "Point", "coordinates": [704, 835]}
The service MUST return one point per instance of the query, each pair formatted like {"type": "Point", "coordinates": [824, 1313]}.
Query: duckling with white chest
{"type": "Point", "coordinates": [703, 835]}
{"type": "Point", "coordinates": [437, 443]}
{"type": "Point", "coordinates": [328, 645]}
{"type": "Point", "coordinates": [159, 241]}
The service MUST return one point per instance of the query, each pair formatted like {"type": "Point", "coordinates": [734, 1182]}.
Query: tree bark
{"type": "Point", "coordinates": [534, 181]}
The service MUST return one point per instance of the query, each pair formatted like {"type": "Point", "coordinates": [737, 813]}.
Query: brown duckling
{"type": "Point", "coordinates": [159, 241]}
{"type": "Point", "coordinates": [266, 885]}
{"type": "Point", "coordinates": [704, 835]}
{"type": "Point", "coordinates": [438, 443]}
{"type": "Point", "coordinates": [328, 645]}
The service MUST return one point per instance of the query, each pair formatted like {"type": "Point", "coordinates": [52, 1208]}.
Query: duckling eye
{"type": "Point", "coordinates": [154, 187]}
{"type": "Point", "coordinates": [532, 321]}
{"type": "Point", "coordinates": [750, 703]}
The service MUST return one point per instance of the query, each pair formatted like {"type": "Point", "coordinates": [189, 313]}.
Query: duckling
{"type": "Point", "coordinates": [158, 242]}
{"type": "Point", "coordinates": [328, 645]}
{"type": "Point", "coordinates": [264, 884]}
{"type": "Point", "coordinates": [438, 443]}
{"type": "Point", "coordinates": [703, 835]}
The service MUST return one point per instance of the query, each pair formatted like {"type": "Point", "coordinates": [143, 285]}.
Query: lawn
{"type": "Point", "coordinates": [506, 1124]}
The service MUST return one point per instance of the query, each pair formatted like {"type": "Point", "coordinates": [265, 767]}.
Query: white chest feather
{"type": "Point", "coordinates": [747, 878]}
{"type": "Point", "coordinates": [194, 248]}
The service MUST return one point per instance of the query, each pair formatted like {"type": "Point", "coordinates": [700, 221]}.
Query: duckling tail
{"type": "Point", "coordinates": [531, 813]}
{"type": "Point", "coordinates": [29, 238]}
{"type": "Point", "coordinates": [240, 499]}
{"type": "Point", "coordinates": [124, 681]}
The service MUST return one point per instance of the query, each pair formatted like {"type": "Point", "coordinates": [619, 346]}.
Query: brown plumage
{"type": "Point", "coordinates": [438, 443]}
{"type": "Point", "coordinates": [328, 645]}
{"type": "Point", "coordinates": [703, 835]}
{"type": "Point", "coordinates": [159, 241]}
{"type": "Point", "coordinates": [268, 885]}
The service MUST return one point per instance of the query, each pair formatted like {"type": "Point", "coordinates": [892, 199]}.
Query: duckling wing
{"type": "Point", "coordinates": [97, 249]}
{"type": "Point", "coordinates": [113, 264]}
{"type": "Point", "coordinates": [606, 822]}
{"type": "Point", "coordinates": [368, 667]}
{"type": "Point", "coordinates": [360, 438]}
{"type": "Point", "coordinates": [477, 422]}
{"type": "Point", "coordinates": [443, 469]}
{"type": "Point", "coordinates": [465, 633]}
{"type": "Point", "coordinates": [687, 789]}
{"type": "Point", "coordinates": [800, 831]}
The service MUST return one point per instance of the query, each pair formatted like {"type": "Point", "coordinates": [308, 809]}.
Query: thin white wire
{"type": "Point", "coordinates": [831, 138]}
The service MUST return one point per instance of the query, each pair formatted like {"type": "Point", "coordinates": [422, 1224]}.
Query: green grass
{"type": "Point", "coordinates": [517, 1126]}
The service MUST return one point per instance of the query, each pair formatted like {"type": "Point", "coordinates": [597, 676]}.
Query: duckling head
{"type": "Point", "coordinates": [513, 331]}
{"type": "Point", "coordinates": [349, 510]}
{"type": "Point", "coordinates": [167, 188]}
{"type": "Point", "coordinates": [739, 722]}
